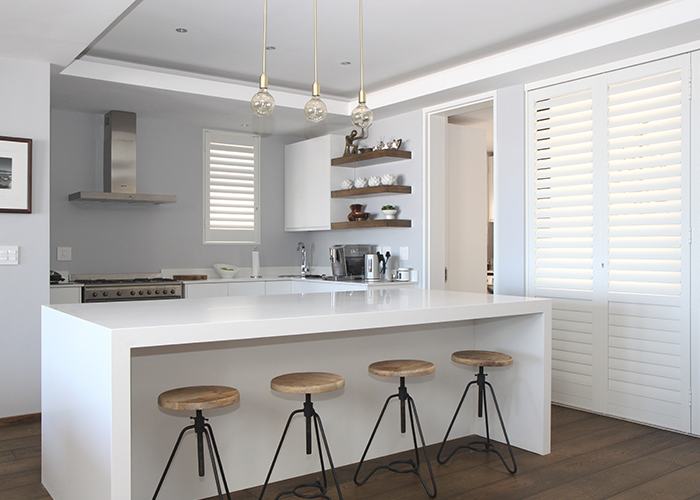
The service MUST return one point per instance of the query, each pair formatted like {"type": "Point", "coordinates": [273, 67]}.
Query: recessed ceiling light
{"type": "Point", "coordinates": [181, 30]}
{"type": "Point", "coordinates": [270, 47]}
{"type": "Point", "coordinates": [345, 63]}
{"type": "Point", "coordinates": [245, 125]}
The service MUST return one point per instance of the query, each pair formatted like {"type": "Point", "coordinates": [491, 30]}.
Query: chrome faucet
{"type": "Point", "coordinates": [304, 267]}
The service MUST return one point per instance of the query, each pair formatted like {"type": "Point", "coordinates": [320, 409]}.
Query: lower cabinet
{"type": "Point", "coordinates": [65, 295]}
{"type": "Point", "coordinates": [246, 288]}
{"type": "Point", "coordinates": [272, 287]}
{"type": "Point", "coordinates": [278, 287]}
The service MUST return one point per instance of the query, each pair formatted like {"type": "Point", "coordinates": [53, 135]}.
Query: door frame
{"type": "Point", "coordinates": [434, 184]}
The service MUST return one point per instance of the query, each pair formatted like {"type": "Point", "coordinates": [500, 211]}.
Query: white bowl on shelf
{"type": "Point", "coordinates": [226, 270]}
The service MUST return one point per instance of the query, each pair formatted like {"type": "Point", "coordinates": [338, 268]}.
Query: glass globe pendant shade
{"type": "Point", "coordinates": [315, 110]}
{"type": "Point", "coordinates": [362, 116]}
{"type": "Point", "coordinates": [262, 103]}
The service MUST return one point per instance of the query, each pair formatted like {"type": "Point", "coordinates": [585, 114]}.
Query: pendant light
{"type": "Point", "coordinates": [315, 110]}
{"type": "Point", "coordinates": [263, 103]}
{"type": "Point", "coordinates": [362, 116]}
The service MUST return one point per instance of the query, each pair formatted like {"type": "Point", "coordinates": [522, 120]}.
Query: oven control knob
{"type": "Point", "coordinates": [104, 294]}
{"type": "Point", "coordinates": [119, 294]}
{"type": "Point", "coordinates": [165, 292]}
{"type": "Point", "coordinates": [94, 294]}
{"type": "Point", "coordinates": [148, 292]}
{"type": "Point", "coordinates": [140, 292]}
{"type": "Point", "coordinates": [172, 291]}
{"type": "Point", "coordinates": [157, 292]}
{"type": "Point", "coordinates": [132, 292]}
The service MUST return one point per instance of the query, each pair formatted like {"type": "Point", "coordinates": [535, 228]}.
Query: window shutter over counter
{"type": "Point", "coordinates": [609, 219]}
{"type": "Point", "coordinates": [231, 188]}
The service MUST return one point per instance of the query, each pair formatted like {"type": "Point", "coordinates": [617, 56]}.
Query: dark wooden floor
{"type": "Point", "coordinates": [592, 457]}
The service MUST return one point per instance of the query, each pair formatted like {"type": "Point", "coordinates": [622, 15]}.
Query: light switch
{"type": "Point", "coordinates": [403, 253]}
{"type": "Point", "coordinates": [9, 256]}
{"type": "Point", "coordinates": [64, 253]}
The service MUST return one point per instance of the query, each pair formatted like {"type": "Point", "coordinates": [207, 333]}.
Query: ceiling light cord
{"type": "Point", "coordinates": [315, 110]}
{"type": "Point", "coordinates": [362, 116]}
{"type": "Point", "coordinates": [262, 102]}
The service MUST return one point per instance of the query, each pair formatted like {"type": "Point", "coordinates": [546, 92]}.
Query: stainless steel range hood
{"type": "Point", "coordinates": [120, 165]}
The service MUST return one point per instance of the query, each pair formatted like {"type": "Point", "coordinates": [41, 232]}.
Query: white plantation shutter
{"type": "Point", "coordinates": [563, 236]}
{"type": "Point", "coordinates": [231, 183]}
{"type": "Point", "coordinates": [608, 239]}
{"type": "Point", "coordinates": [648, 259]}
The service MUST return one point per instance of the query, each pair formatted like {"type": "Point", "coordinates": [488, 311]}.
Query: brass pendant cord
{"type": "Point", "coordinates": [316, 89]}
{"type": "Point", "coordinates": [362, 55]}
{"type": "Point", "coordinates": [264, 37]}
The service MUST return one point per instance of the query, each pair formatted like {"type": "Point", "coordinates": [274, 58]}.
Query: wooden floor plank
{"type": "Point", "coordinates": [593, 458]}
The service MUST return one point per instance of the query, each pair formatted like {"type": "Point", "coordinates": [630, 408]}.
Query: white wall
{"type": "Point", "coordinates": [127, 238]}
{"type": "Point", "coordinates": [24, 112]}
{"type": "Point", "coordinates": [509, 191]}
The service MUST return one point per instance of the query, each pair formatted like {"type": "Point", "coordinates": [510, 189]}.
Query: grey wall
{"type": "Point", "coordinates": [125, 238]}
{"type": "Point", "coordinates": [408, 127]}
{"type": "Point", "coordinates": [24, 105]}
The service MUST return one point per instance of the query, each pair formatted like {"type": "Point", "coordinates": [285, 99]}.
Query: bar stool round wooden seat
{"type": "Point", "coordinates": [198, 398]}
{"type": "Point", "coordinates": [307, 383]}
{"type": "Point", "coordinates": [402, 368]}
{"type": "Point", "coordinates": [481, 359]}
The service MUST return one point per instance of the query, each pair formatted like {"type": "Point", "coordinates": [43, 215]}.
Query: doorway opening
{"type": "Point", "coordinates": [459, 196]}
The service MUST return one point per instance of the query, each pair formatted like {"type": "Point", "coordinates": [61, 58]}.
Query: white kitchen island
{"type": "Point", "coordinates": [103, 366]}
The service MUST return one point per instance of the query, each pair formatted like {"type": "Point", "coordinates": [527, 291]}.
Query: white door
{"type": "Point", "coordinates": [467, 209]}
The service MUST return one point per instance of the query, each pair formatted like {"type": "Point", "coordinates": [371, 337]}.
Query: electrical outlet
{"type": "Point", "coordinates": [403, 253]}
{"type": "Point", "coordinates": [64, 253]}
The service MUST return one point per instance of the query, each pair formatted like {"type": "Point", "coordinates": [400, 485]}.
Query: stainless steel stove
{"type": "Point", "coordinates": [125, 287]}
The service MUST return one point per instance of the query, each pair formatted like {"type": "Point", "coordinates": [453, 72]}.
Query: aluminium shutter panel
{"type": "Point", "coordinates": [620, 320]}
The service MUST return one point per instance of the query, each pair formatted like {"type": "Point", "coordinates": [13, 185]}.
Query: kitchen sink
{"type": "Point", "coordinates": [308, 276]}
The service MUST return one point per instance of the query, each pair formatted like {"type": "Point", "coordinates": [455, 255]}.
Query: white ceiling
{"type": "Point", "coordinates": [409, 45]}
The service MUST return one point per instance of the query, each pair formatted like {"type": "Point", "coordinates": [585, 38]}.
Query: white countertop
{"type": "Point", "coordinates": [168, 322]}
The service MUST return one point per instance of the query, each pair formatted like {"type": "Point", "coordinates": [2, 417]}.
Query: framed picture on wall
{"type": "Point", "coordinates": [15, 175]}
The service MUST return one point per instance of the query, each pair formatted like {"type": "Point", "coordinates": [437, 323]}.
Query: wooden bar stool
{"type": "Point", "coordinates": [201, 397]}
{"type": "Point", "coordinates": [401, 368]}
{"type": "Point", "coordinates": [307, 383]}
{"type": "Point", "coordinates": [481, 359]}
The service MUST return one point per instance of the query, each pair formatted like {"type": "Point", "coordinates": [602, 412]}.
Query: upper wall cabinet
{"type": "Point", "coordinates": [310, 176]}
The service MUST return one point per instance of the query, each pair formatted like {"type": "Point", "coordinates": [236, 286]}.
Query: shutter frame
{"type": "Point", "coordinates": [231, 188]}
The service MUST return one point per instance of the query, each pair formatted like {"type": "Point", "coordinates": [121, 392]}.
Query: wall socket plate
{"type": "Point", "coordinates": [64, 253]}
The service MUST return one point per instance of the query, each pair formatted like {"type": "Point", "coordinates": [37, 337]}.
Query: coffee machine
{"type": "Point", "coordinates": [348, 261]}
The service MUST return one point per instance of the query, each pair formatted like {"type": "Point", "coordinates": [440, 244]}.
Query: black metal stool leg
{"type": "Point", "coordinates": [404, 398]}
{"type": "Point", "coordinates": [170, 460]}
{"type": "Point", "coordinates": [449, 429]}
{"type": "Point", "coordinates": [309, 415]}
{"type": "Point", "coordinates": [218, 459]}
{"type": "Point", "coordinates": [482, 411]}
{"type": "Point", "coordinates": [201, 429]}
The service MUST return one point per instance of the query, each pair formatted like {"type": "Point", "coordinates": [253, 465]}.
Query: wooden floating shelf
{"type": "Point", "coordinates": [361, 224]}
{"type": "Point", "coordinates": [371, 158]}
{"type": "Point", "coordinates": [365, 191]}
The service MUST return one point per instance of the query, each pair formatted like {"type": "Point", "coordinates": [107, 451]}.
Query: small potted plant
{"type": "Point", "coordinates": [389, 211]}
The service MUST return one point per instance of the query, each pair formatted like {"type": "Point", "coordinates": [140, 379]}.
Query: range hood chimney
{"type": "Point", "coordinates": [120, 164]}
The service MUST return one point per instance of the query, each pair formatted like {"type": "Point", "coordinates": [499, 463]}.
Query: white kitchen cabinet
{"type": "Point", "coordinates": [308, 181]}
{"type": "Point", "coordinates": [315, 286]}
{"type": "Point", "coordinates": [63, 294]}
{"type": "Point", "coordinates": [201, 290]}
{"type": "Point", "coordinates": [278, 287]}
{"type": "Point", "coordinates": [246, 288]}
